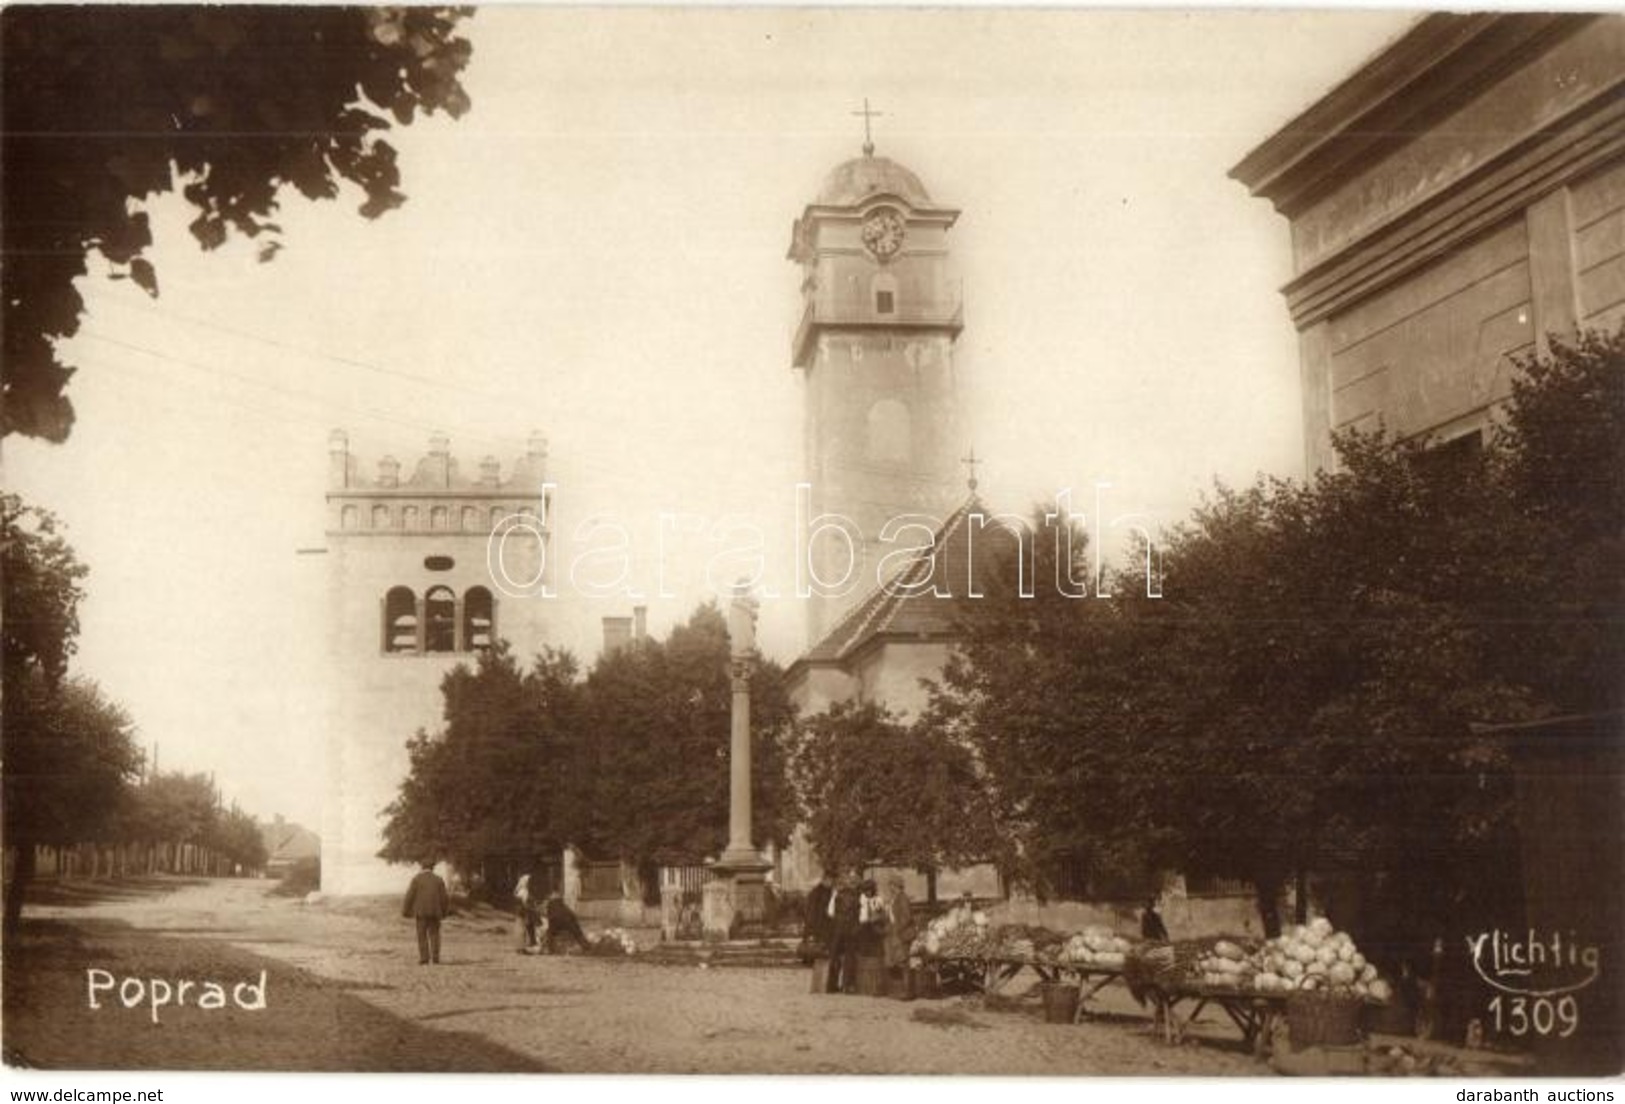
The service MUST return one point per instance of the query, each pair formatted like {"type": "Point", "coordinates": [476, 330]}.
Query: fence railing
{"type": "Point", "coordinates": [600, 881]}
{"type": "Point", "coordinates": [685, 879]}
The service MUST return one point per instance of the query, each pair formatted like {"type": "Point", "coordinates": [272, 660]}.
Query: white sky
{"type": "Point", "coordinates": [597, 251]}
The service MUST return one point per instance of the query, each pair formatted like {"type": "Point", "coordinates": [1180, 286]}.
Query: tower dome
{"type": "Point", "coordinates": [852, 182]}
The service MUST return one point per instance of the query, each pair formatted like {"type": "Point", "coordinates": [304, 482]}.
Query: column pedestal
{"type": "Point", "coordinates": [736, 901]}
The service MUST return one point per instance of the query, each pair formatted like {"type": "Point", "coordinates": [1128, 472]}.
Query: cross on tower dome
{"type": "Point", "coordinates": [868, 137]}
{"type": "Point", "coordinates": [970, 463]}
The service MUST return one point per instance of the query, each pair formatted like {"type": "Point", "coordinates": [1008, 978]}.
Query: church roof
{"type": "Point", "coordinates": [851, 182]}
{"type": "Point", "coordinates": [894, 610]}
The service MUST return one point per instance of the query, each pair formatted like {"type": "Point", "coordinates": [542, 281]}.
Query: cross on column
{"type": "Point", "coordinates": [970, 463]}
{"type": "Point", "coordinates": [868, 138]}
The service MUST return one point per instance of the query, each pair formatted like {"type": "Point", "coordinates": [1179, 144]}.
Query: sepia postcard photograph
{"type": "Point", "coordinates": [1024, 543]}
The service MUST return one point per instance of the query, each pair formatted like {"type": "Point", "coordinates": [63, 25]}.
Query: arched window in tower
{"type": "Point", "coordinates": [471, 519]}
{"type": "Point", "coordinates": [400, 621]}
{"type": "Point", "coordinates": [349, 518]}
{"type": "Point", "coordinates": [440, 620]}
{"type": "Point", "coordinates": [380, 517]}
{"type": "Point", "coordinates": [890, 433]}
{"type": "Point", "coordinates": [478, 619]}
{"type": "Point", "coordinates": [883, 293]}
{"type": "Point", "coordinates": [438, 518]}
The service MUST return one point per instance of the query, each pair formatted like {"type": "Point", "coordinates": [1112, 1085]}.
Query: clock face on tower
{"type": "Point", "coordinates": [883, 233]}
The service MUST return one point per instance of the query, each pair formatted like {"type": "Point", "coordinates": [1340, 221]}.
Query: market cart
{"type": "Point", "coordinates": [1254, 1014]}
{"type": "Point", "coordinates": [1091, 980]}
{"type": "Point", "coordinates": [993, 973]}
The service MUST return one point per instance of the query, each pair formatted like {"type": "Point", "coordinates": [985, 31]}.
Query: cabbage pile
{"type": "Point", "coordinates": [1095, 946]}
{"type": "Point", "coordinates": [1315, 956]}
{"type": "Point", "coordinates": [612, 941]}
{"type": "Point", "coordinates": [954, 935]}
{"type": "Point", "coordinates": [1228, 966]}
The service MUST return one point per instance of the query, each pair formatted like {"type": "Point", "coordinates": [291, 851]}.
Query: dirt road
{"type": "Point", "coordinates": [343, 991]}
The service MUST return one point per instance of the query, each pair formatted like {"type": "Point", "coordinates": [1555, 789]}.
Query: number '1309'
{"type": "Point", "coordinates": [1541, 1015]}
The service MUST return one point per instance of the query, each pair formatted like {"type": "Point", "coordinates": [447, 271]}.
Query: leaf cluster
{"type": "Point", "coordinates": [104, 107]}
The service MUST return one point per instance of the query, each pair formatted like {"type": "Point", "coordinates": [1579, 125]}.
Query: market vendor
{"type": "Point", "coordinates": [562, 923]}
{"type": "Point", "coordinates": [1151, 925]}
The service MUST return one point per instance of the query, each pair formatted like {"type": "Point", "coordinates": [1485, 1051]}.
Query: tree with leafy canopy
{"type": "Point", "coordinates": [503, 775]}
{"type": "Point", "coordinates": [172, 808]}
{"type": "Point", "coordinates": [104, 107]}
{"type": "Point", "coordinates": [1040, 687]}
{"type": "Point", "coordinates": [879, 791]}
{"type": "Point", "coordinates": [1300, 698]}
{"type": "Point", "coordinates": [236, 836]}
{"type": "Point", "coordinates": [1317, 666]}
{"type": "Point", "coordinates": [70, 755]}
{"type": "Point", "coordinates": [659, 744]}
{"type": "Point", "coordinates": [41, 586]}
{"type": "Point", "coordinates": [1560, 465]}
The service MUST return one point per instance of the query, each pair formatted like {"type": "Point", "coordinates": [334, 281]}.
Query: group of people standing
{"type": "Point", "coordinates": [848, 920]}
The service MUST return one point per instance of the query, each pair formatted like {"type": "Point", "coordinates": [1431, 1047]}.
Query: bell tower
{"type": "Point", "coordinates": [882, 424]}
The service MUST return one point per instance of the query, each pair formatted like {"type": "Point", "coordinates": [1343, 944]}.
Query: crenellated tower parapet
{"type": "Point", "coordinates": [435, 495]}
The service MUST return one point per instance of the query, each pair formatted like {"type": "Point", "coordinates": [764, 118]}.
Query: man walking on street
{"type": "Point", "coordinates": [427, 902]}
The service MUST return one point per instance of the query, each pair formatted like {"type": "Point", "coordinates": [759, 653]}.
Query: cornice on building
{"type": "Point", "coordinates": [1442, 62]}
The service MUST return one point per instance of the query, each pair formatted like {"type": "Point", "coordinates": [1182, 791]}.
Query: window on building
{"type": "Point", "coordinates": [409, 517]}
{"type": "Point", "coordinates": [380, 517]}
{"type": "Point", "coordinates": [890, 439]}
{"type": "Point", "coordinates": [440, 620]}
{"type": "Point", "coordinates": [497, 514]}
{"type": "Point", "coordinates": [883, 293]}
{"type": "Point", "coordinates": [400, 621]}
{"type": "Point", "coordinates": [478, 621]}
{"type": "Point", "coordinates": [471, 518]}
{"type": "Point", "coordinates": [438, 518]}
{"type": "Point", "coordinates": [1456, 452]}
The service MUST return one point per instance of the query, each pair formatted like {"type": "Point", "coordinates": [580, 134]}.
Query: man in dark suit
{"type": "Point", "coordinates": [815, 926]}
{"type": "Point", "coordinates": [845, 931]}
{"type": "Point", "coordinates": [427, 902]}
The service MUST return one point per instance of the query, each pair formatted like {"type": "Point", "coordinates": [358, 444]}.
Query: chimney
{"type": "Point", "coordinates": [617, 633]}
{"type": "Point", "coordinates": [437, 465]}
{"type": "Point", "coordinates": [640, 622]}
{"type": "Point", "coordinates": [338, 459]}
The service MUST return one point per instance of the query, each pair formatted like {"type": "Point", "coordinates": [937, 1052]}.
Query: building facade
{"type": "Point", "coordinates": [425, 570]}
{"type": "Point", "coordinates": [885, 435]}
{"type": "Point", "coordinates": [1454, 203]}
{"type": "Point", "coordinates": [882, 425]}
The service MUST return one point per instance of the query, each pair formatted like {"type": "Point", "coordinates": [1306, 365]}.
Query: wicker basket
{"type": "Point", "coordinates": [1060, 1003]}
{"type": "Point", "coordinates": [1316, 1019]}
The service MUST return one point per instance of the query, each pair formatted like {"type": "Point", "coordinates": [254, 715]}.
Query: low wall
{"type": "Point", "coordinates": [618, 913]}
{"type": "Point", "coordinates": [1185, 917]}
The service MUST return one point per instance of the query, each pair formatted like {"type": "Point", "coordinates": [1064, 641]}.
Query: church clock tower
{"type": "Point", "coordinates": [882, 425]}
